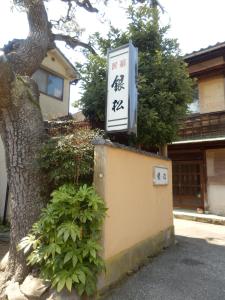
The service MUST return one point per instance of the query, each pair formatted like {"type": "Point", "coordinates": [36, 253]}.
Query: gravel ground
{"type": "Point", "coordinates": [194, 268]}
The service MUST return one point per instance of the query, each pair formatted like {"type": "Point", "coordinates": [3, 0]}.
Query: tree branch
{"type": "Point", "coordinates": [6, 79]}
{"type": "Point", "coordinates": [86, 4]}
{"type": "Point", "coordinates": [73, 42]}
{"type": "Point", "coordinates": [26, 55]}
{"type": "Point", "coordinates": [65, 19]}
{"type": "Point", "coordinates": [30, 52]}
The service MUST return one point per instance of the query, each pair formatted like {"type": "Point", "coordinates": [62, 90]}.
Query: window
{"type": "Point", "coordinates": [194, 107]}
{"type": "Point", "coordinates": [49, 84]}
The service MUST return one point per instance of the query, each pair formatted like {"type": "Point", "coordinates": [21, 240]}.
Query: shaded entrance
{"type": "Point", "coordinates": [188, 184]}
{"type": "Point", "coordinates": [205, 174]}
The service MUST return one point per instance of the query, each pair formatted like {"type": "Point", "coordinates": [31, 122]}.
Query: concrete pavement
{"type": "Point", "coordinates": [194, 216]}
{"type": "Point", "coordinates": [192, 269]}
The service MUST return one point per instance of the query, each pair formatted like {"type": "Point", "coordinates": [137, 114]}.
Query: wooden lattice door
{"type": "Point", "coordinates": [188, 189]}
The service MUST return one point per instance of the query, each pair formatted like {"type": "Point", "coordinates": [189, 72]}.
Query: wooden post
{"type": "Point", "coordinates": [163, 150]}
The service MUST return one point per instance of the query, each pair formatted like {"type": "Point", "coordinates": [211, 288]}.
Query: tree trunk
{"type": "Point", "coordinates": [21, 125]}
{"type": "Point", "coordinates": [23, 135]}
{"type": "Point", "coordinates": [163, 150]}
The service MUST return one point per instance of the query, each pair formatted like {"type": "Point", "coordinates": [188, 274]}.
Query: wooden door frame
{"type": "Point", "coordinates": [206, 205]}
{"type": "Point", "coordinates": [202, 170]}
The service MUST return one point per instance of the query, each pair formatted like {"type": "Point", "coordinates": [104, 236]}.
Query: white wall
{"type": "Point", "coordinates": [216, 196]}
{"type": "Point", "coordinates": [51, 107]}
{"type": "Point", "coordinates": [216, 180]}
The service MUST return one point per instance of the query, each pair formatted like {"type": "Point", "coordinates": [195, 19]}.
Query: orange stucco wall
{"type": "Point", "coordinates": [137, 209]}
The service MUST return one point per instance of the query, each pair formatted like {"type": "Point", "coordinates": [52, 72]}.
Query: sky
{"type": "Point", "coordinates": [195, 23]}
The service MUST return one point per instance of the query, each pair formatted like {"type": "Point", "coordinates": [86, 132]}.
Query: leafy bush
{"type": "Point", "coordinates": [164, 86]}
{"type": "Point", "coordinates": [69, 159]}
{"type": "Point", "coordinates": [64, 243]}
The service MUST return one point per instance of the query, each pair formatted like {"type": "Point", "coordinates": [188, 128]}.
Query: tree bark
{"type": "Point", "coordinates": [23, 135]}
{"type": "Point", "coordinates": [22, 130]}
{"type": "Point", "coordinates": [21, 124]}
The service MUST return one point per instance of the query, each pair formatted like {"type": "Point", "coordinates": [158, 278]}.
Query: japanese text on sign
{"type": "Point", "coordinates": [119, 91]}
{"type": "Point", "coordinates": [117, 106]}
{"type": "Point", "coordinates": [160, 176]}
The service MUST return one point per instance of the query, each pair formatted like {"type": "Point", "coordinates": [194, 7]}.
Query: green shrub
{"type": "Point", "coordinates": [69, 159]}
{"type": "Point", "coordinates": [64, 243]}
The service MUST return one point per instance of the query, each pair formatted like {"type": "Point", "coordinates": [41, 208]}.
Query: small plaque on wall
{"type": "Point", "coordinates": [160, 176]}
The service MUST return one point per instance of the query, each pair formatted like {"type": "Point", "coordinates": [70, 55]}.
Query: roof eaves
{"type": "Point", "coordinates": [69, 63]}
{"type": "Point", "coordinates": [210, 48]}
{"type": "Point", "coordinates": [200, 140]}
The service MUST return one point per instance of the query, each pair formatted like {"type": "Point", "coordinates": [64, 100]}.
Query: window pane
{"type": "Point", "coordinates": [194, 107]}
{"type": "Point", "coordinates": [40, 77]}
{"type": "Point", "coordinates": [55, 86]}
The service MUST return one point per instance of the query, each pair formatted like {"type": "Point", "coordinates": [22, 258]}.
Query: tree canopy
{"type": "Point", "coordinates": [164, 86]}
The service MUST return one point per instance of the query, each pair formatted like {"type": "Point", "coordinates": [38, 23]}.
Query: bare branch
{"type": "Point", "coordinates": [65, 19]}
{"type": "Point", "coordinates": [86, 4]}
{"type": "Point", "coordinates": [73, 42]}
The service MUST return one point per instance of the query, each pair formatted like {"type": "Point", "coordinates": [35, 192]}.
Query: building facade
{"type": "Point", "coordinates": [53, 78]}
{"type": "Point", "coordinates": [199, 155]}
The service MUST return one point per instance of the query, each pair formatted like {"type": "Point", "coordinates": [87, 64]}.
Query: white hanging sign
{"type": "Point", "coordinates": [121, 90]}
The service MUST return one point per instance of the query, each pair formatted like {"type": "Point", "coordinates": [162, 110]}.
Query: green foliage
{"type": "Point", "coordinates": [64, 243]}
{"type": "Point", "coordinates": [4, 228]}
{"type": "Point", "coordinates": [164, 86]}
{"type": "Point", "coordinates": [93, 75]}
{"type": "Point", "coordinates": [69, 159]}
{"type": "Point", "coordinates": [94, 72]}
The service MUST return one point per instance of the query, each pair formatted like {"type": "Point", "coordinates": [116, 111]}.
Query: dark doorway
{"type": "Point", "coordinates": [188, 184]}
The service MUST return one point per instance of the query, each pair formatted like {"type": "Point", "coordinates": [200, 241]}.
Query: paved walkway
{"type": "Point", "coordinates": [193, 216]}
{"type": "Point", "coordinates": [193, 269]}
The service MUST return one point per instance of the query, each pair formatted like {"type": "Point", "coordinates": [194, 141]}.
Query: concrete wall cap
{"type": "Point", "coordinates": [104, 142]}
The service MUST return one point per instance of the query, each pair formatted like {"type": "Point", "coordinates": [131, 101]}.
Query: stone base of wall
{"type": "Point", "coordinates": [129, 260]}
